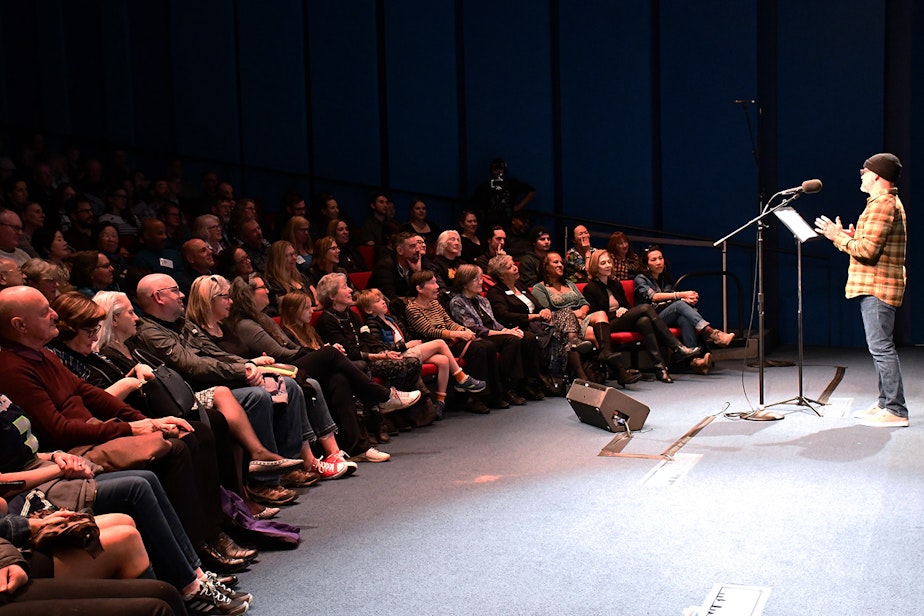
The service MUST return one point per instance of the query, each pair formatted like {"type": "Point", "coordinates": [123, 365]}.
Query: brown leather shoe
{"type": "Point", "coordinates": [227, 547]}
{"type": "Point", "coordinates": [272, 496]}
{"type": "Point", "coordinates": [720, 338]}
{"type": "Point", "coordinates": [299, 478]}
{"type": "Point", "coordinates": [701, 365]}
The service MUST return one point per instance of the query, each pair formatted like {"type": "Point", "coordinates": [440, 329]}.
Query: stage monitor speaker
{"type": "Point", "coordinates": [604, 407]}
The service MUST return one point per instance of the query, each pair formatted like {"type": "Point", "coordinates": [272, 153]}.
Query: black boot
{"type": "Point", "coordinates": [575, 365]}
{"type": "Point", "coordinates": [606, 354]}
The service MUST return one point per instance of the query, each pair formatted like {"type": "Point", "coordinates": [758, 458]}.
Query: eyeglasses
{"type": "Point", "coordinates": [16, 228]}
{"type": "Point", "coordinates": [260, 288]}
{"type": "Point", "coordinates": [173, 289]}
{"type": "Point", "coordinates": [92, 331]}
{"type": "Point", "coordinates": [104, 266]}
{"type": "Point", "coordinates": [223, 296]}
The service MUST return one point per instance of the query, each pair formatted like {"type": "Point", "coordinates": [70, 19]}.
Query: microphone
{"type": "Point", "coordinates": [807, 187]}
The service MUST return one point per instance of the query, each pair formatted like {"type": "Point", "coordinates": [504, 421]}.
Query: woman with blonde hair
{"type": "Point", "coordinates": [297, 231]}
{"type": "Point", "coordinates": [282, 275]}
{"type": "Point", "coordinates": [327, 261]}
{"type": "Point", "coordinates": [45, 276]}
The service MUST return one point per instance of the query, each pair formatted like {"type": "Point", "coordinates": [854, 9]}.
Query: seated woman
{"type": "Point", "coordinates": [626, 264]}
{"type": "Point", "coordinates": [45, 276]}
{"type": "Point", "coordinates": [518, 349]}
{"type": "Point", "coordinates": [249, 332]}
{"type": "Point", "coordinates": [207, 228]}
{"type": "Point", "coordinates": [514, 305]}
{"type": "Point", "coordinates": [50, 244]}
{"type": "Point", "coordinates": [282, 275]}
{"type": "Point", "coordinates": [91, 272]}
{"type": "Point", "coordinates": [107, 241]}
{"type": "Point", "coordinates": [577, 256]}
{"type": "Point", "coordinates": [655, 285]}
{"type": "Point", "coordinates": [114, 356]}
{"type": "Point", "coordinates": [351, 259]}
{"type": "Point", "coordinates": [428, 320]}
{"type": "Point", "coordinates": [472, 246]}
{"type": "Point", "coordinates": [557, 293]}
{"type": "Point", "coordinates": [419, 224]}
{"type": "Point", "coordinates": [327, 261]}
{"type": "Point", "coordinates": [608, 301]}
{"type": "Point", "coordinates": [234, 263]}
{"type": "Point", "coordinates": [387, 337]}
{"type": "Point", "coordinates": [297, 231]}
{"type": "Point", "coordinates": [446, 262]}
{"type": "Point", "coordinates": [130, 498]}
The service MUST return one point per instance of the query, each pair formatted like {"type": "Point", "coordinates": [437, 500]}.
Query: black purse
{"type": "Point", "coordinates": [168, 393]}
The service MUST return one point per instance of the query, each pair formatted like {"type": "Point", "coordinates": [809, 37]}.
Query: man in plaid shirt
{"type": "Point", "coordinates": [877, 276]}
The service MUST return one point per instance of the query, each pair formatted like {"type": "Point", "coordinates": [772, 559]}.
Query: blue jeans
{"type": "Point", "coordinates": [317, 419]}
{"type": "Point", "coordinates": [687, 318]}
{"type": "Point", "coordinates": [879, 323]}
{"type": "Point", "coordinates": [140, 495]}
{"type": "Point", "coordinates": [258, 405]}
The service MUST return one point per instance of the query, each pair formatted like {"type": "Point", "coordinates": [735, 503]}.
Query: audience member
{"type": "Point", "coordinates": [351, 259]}
{"type": "Point", "coordinates": [91, 272]}
{"type": "Point", "coordinates": [378, 229]}
{"type": "Point", "coordinates": [79, 234]}
{"type": "Point", "coordinates": [208, 228]}
{"type": "Point", "coordinates": [198, 260]}
{"type": "Point", "coordinates": [45, 276]}
{"type": "Point", "coordinates": [10, 235]}
{"type": "Point", "coordinates": [153, 255]}
{"type": "Point", "coordinates": [497, 198]}
{"type": "Point", "coordinates": [471, 244]}
{"type": "Point", "coordinates": [418, 223]}
{"type": "Point", "coordinates": [33, 217]}
{"type": "Point", "coordinates": [324, 209]}
{"type": "Point", "coordinates": [282, 276]}
{"type": "Point", "coordinates": [50, 244]}
{"type": "Point", "coordinates": [518, 242]}
{"type": "Point", "coordinates": [235, 262]}
{"type": "Point", "coordinates": [496, 244]}
{"type": "Point", "coordinates": [106, 240]}
{"type": "Point", "coordinates": [327, 261]}
{"type": "Point", "coordinates": [297, 231]}
{"type": "Point", "coordinates": [118, 212]}
{"type": "Point", "coordinates": [174, 225]}
{"type": "Point", "coordinates": [251, 240]}
{"type": "Point", "coordinates": [540, 242]}
{"type": "Point", "coordinates": [577, 255]}
{"type": "Point", "coordinates": [392, 273]}
{"type": "Point", "coordinates": [10, 273]}
{"type": "Point", "coordinates": [626, 264]}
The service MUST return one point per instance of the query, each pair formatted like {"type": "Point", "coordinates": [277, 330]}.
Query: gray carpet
{"type": "Point", "coordinates": [515, 513]}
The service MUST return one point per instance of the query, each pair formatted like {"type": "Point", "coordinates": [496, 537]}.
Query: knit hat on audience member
{"type": "Point", "coordinates": [885, 165]}
{"type": "Point", "coordinates": [536, 232]}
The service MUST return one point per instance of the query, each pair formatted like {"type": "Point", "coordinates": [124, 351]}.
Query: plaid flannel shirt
{"type": "Point", "coordinates": [877, 250]}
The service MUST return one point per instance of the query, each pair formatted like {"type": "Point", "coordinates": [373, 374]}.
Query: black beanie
{"type": "Point", "coordinates": [887, 166]}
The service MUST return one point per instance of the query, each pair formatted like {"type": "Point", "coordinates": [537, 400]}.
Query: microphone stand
{"type": "Point", "coordinates": [761, 414]}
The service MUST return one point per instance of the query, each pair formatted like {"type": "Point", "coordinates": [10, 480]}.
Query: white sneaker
{"type": "Point", "coordinates": [399, 400]}
{"type": "Point", "coordinates": [868, 412]}
{"type": "Point", "coordinates": [372, 455]}
{"type": "Point", "coordinates": [884, 419]}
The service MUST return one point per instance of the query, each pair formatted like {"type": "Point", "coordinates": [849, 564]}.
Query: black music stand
{"type": "Point", "coordinates": [802, 232]}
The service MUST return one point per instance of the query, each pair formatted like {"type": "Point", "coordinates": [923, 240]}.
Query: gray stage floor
{"type": "Point", "coordinates": [516, 513]}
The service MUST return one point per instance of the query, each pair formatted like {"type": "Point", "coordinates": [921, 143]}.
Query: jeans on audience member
{"type": "Point", "coordinates": [879, 324]}
{"type": "Point", "coordinates": [140, 495]}
{"type": "Point", "coordinates": [258, 405]}
{"type": "Point", "coordinates": [687, 318]}
{"type": "Point", "coordinates": [318, 419]}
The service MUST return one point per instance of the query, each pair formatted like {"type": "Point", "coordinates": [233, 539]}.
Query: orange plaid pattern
{"type": "Point", "coordinates": [877, 250]}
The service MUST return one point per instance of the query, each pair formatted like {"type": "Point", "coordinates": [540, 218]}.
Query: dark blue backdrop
{"type": "Point", "coordinates": [621, 113]}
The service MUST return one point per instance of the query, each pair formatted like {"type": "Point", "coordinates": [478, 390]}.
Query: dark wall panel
{"type": "Point", "coordinates": [202, 54]}
{"type": "Point", "coordinates": [830, 121]}
{"type": "Point", "coordinates": [272, 75]}
{"type": "Point", "coordinates": [117, 101]}
{"type": "Point", "coordinates": [344, 91]}
{"type": "Point", "coordinates": [606, 111]}
{"type": "Point", "coordinates": [423, 138]}
{"type": "Point", "coordinates": [45, 74]}
{"type": "Point", "coordinates": [84, 68]}
{"type": "Point", "coordinates": [508, 93]}
{"type": "Point", "coordinates": [708, 59]}
{"type": "Point", "coordinates": [152, 88]}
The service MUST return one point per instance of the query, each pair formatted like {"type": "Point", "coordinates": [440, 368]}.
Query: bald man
{"type": "Point", "coordinates": [67, 412]}
{"type": "Point", "coordinates": [10, 273]}
{"type": "Point", "coordinates": [198, 260]}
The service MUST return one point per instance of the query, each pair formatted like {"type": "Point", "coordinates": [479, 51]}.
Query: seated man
{"type": "Point", "coordinates": [198, 260]}
{"type": "Point", "coordinates": [10, 273]}
{"type": "Point", "coordinates": [391, 274]}
{"type": "Point", "coordinates": [153, 256]}
{"type": "Point", "coordinates": [496, 245]}
{"type": "Point", "coordinates": [68, 412]}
